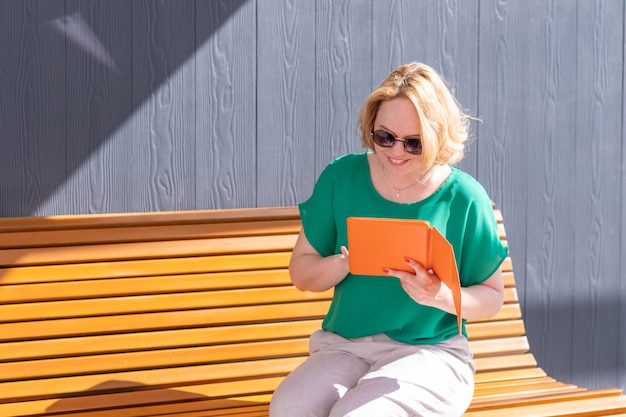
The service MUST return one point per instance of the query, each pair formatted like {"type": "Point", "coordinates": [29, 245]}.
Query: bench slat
{"type": "Point", "coordinates": [139, 380]}
{"type": "Point", "coordinates": [507, 267]}
{"type": "Point", "coordinates": [510, 295]}
{"type": "Point", "coordinates": [92, 236]}
{"type": "Point", "coordinates": [525, 360]}
{"type": "Point", "coordinates": [495, 329]}
{"type": "Point", "coordinates": [505, 345]}
{"type": "Point", "coordinates": [513, 382]}
{"type": "Point", "coordinates": [153, 359]}
{"type": "Point", "coordinates": [509, 375]}
{"type": "Point", "coordinates": [170, 377]}
{"type": "Point", "coordinates": [161, 321]}
{"type": "Point", "coordinates": [156, 340]}
{"type": "Point", "coordinates": [507, 312]}
{"type": "Point", "coordinates": [574, 408]}
{"type": "Point", "coordinates": [104, 221]}
{"type": "Point", "coordinates": [146, 250]}
{"type": "Point", "coordinates": [484, 398]}
{"type": "Point", "coordinates": [154, 303]}
{"type": "Point", "coordinates": [508, 278]}
{"type": "Point", "coordinates": [220, 413]}
{"type": "Point", "coordinates": [144, 268]}
{"type": "Point", "coordinates": [172, 400]}
{"type": "Point", "coordinates": [143, 250]}
{"type": "Point", "coordinates": [524, 397]}
{"type": "Point", "coordinates": [26, 293]}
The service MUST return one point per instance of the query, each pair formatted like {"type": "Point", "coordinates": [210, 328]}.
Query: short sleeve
{"type": "Point", "coordinates": [483, 251]}
{"type": "Point", "coordinates": [317, 214]}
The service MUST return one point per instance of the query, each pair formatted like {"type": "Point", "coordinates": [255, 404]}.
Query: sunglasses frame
{"type": "Point", "coordinates": [418, 146]}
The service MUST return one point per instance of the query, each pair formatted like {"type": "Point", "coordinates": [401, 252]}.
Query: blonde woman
{"type": "Point", "coordinates": [389, 344]}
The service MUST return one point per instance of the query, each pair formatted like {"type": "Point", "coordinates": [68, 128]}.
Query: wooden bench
{"type": "Point", "coordinates": [193, 314]}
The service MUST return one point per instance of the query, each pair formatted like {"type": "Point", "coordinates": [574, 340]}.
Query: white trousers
{"type": "Point", "coordinates": [376, 376]}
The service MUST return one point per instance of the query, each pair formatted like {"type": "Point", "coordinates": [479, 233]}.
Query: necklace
{"type": "Point", "coordinates": [421, 180]}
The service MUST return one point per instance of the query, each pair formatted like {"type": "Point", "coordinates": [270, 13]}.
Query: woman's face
{"type": "Point", "coordinates": [398, 117]}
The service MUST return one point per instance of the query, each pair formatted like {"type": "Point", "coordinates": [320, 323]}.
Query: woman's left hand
{"type": "Point", "coordinates": [478, 301]}
{"type": "Point", "coordinates": [422, 285]}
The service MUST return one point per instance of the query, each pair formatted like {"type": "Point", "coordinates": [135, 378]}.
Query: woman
{"type": "Point", "coordinates": [390, 345]}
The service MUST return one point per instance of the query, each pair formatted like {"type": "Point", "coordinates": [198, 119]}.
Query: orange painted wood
{"type": "Point", "coordinates": [507, 312]}
{"type": "Point", "coordinates": [498, 362]}
{"type": "Point", "coordinates": [155, 303]}
{"type": "Point", "coordinates": [505, 345]}
{"type": "Point", "coordinates": [144, 268]}
{"type": "Point", "coordinates": [560, 407]}
{"type": "Point", "coordinates": [152, 359]}
{"type": "Point", "coordinates": [495, 329]}
{"type": "Point", "coordinates": [154, 340]}
{"type": "Point", "coordinates": [269, 215]}
{"type": "Point", "coordinates": [132, 380]}
{"type": "Point", "coordinates": [98, 235]}
{"type": "Point", "coordinates": [161, 321]}
{"type": "Point", "coordinates": [162, 284]}
{"type": "Point", "coordinates": [507, 276]}
{"type": "Point", "coordinates": [525, 397]}
{"type": "Point", "coordinates": [167, 400]}
{"type": "Point", "coordinates": [508, 375]}
{"type": "Point", "coordinates": [193, 313]}
{"type": "Point", "coordinates": [142, 250]}
{"type": "Point", "coordinates": [495, 397]}
{"type": "Point", "coordinates": [519, 382]}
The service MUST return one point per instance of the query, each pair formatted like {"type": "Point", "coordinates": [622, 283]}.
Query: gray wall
{"type": "Point", "coordinates": [120, 106]}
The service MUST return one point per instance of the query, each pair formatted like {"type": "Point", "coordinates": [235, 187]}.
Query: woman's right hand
{"type": "Point", "coordinates": [345, 259]}
{"type": "Point", "coordinates": [311, 271]}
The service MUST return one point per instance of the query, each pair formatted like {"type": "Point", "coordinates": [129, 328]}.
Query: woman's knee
{"type": "Point", "coordinates": [294, 399]}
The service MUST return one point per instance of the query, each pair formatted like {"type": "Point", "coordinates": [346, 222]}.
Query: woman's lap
{"type": "Point", "coordinates": [377, 376]}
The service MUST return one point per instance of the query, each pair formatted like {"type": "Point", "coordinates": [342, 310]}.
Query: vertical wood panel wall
{"type": "Point", "coordinates": [158, 105]}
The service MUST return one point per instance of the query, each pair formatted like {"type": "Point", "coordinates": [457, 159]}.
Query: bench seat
{"type": "Point", "coordinates": [193, 314]}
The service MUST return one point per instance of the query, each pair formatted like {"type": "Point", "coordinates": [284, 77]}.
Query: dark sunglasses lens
{"type": "Point", "coordinates": [387, 140]}
{"type": "Point", "coordinates": [413, 146]}
{"type": "Point", "coordinates": [384, 139]}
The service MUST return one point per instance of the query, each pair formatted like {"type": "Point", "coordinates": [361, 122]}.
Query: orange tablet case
{"type": "Point", "coordinates": [375, 243]}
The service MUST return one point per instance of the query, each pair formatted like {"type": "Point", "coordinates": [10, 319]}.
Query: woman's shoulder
{"type": "Point", "coordinates": [350, 159]}
{"type": "Point", "coordinates": [466, 180]}
{"type": "Point", "coordinates": [348, 162]}
{"type": "Point", "coordinates": [464, 184]}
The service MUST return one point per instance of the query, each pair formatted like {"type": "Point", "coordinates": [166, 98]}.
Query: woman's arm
{"type": "Point", "coordinates": [311, 271]}
{"type": "Point", "coordinates": [477, 301]}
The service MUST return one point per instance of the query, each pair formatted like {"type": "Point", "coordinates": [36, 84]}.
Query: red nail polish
{"type": "Point", "coordinates": [385, 270]}
{"type": "Point", "coordinates": [407, 260]}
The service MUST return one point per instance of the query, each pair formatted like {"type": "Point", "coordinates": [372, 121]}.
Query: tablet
{"type": "Point", "coordinates": [378, 243]}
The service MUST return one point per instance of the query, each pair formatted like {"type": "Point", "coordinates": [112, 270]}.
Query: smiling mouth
{"type": "Point", "coordinates": [397, 162]}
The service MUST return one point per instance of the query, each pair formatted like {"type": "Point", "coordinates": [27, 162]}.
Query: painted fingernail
{"type": "Point", "coordinates": [385, 270]}
{"type": "Point", "coordinates": [407, 260]}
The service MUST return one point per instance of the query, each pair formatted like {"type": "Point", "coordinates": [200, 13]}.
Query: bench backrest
{"type": "Point", "coordinates": [104, 311]}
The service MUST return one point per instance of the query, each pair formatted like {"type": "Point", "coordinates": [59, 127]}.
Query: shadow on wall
{"type": "Point", "coordinates": [593, 363]}
{"type": "Point", "coordinates": [73, 72]}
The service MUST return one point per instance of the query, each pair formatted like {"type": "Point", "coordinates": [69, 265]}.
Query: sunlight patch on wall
{"type": "Point", "coordinates": [78, 31]}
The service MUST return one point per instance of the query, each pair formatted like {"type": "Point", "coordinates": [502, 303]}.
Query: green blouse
{"type": "Point", "coordinates": [365, 305]}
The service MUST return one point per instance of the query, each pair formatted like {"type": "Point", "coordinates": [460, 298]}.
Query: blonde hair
{"type": "Point", "coordinates": [444, 125]}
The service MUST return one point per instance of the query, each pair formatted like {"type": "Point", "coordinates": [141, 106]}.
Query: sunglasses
{"type": "Point", "coordinates": [387, 140]}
